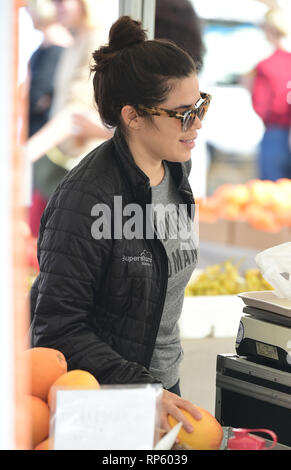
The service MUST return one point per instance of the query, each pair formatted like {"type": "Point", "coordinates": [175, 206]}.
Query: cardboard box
{"type": "Point", "coordinates": [220, 231]}
{"type": "Point", "coordinates": [246, 236]}
{"type": "Point", "coordinates": [241, 234]}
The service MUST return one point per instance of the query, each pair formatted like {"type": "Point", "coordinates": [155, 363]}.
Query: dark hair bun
{"type": "Point", "coordinates": [125, 32]}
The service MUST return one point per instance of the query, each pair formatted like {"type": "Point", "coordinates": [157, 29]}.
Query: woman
{"type": "Point", "coordinates": [41, 72]}
{"type": "Point", "coordinates": [178, 21]}
{"type": "Point", "coordinates": [269, 97]}
{"type": "Point", "coordinates": [110, 301]}
{"type": "Point", "coordinates": [74, 127]}
{"type": "Point", "coordinates": [73, 87]}
{"type": "Point", "coordinates": [43, 62]}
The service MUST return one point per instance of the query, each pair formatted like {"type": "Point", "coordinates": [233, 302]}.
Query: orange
{"type": "Point", "coordinates": [231, 211]}
{"type": "Point", "coordinates": [237, 194]}
{"type": "Point", "coordinates": [261, 218]}
{"type": "Point", "coordinates": [45, 366]}
{"type": "Point", "coordinates": [240, 194]}
{"type": "Point", "coordinates": [39, 415]}
{"type": "Point", "coordinates": [208, 209]}
{"type": "Point", "coordinates": [74, 379]}
{"type": "Point", "coordinates": [261, 192]}
{"type": "Point", "coordinates": [207, 433]}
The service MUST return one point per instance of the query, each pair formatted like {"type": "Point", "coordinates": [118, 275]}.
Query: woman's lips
{"type": "Point", "coordinates": [190, 143]}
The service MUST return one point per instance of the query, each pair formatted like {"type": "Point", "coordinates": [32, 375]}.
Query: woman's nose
{"type": "Point", "coordinates": [197, 123]}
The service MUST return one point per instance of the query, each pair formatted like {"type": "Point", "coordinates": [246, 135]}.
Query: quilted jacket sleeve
{"type": "Point", "coordinates": [72, 266]}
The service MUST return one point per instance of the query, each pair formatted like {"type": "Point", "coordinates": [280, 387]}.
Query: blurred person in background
{"type": "Point", "coordinates": [177, 21]}
{"type": "Point", "coordinates": [43, 62]}
{"type": "Point", "coordinates": [269, 97]}
{"type": "Point", "coordinates": [41, 72]}
{"type": "Point", "coordinates": [73, 128]}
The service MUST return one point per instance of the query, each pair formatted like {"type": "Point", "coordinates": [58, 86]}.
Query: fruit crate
{"type": "Point", "coordinates": [241, 234]}
{"type": "Point", "coordinates": [246, 236]}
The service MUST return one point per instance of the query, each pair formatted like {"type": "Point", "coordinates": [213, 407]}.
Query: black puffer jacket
{"type": "Point", "coordinates": [100, 301]}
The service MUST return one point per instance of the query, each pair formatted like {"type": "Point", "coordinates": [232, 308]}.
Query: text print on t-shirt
{"type": "Point", "coordinates": [176, 230]}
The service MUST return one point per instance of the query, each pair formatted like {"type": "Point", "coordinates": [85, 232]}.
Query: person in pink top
{"type": "Point", "coordinates": [269, 97]}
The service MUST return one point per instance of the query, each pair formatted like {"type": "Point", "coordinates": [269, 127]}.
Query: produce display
{"type": "Point", "coordinates": [48, 370]}
{"type": "Point", "coordinates": [225, 279]}
{"type": "Point", "coordinates": [207, 433]}
{"type": "Point", "coordinates": [265, 205]}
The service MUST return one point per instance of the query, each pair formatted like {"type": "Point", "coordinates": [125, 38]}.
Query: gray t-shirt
{"type": "Point", "coordinates": [182, 258]}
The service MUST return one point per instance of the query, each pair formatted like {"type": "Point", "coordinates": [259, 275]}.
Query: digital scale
{"type": "Point", "coordinates": [264, 332]}
{"type": "Point", "coordinates": [253, 386]}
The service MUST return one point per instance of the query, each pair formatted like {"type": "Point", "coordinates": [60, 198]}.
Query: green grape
{"type": "Point", "coordinates": [225, 279]}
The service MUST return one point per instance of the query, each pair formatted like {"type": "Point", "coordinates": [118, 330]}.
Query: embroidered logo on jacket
{"type": "Point", "coordinates": [145, 258]}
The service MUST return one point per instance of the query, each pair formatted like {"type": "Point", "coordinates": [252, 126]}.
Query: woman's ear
{"type": "Point", "coordinates": [130, 117]}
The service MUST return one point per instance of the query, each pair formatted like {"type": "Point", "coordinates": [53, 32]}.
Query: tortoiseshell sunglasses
{"type": "Point", "coordinates": [188, 117]}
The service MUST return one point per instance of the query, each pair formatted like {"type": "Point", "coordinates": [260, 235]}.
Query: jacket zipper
{"type": "Point", "coordinates": [158, 314]}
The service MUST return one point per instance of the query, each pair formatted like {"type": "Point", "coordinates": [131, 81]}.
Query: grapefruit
{"type": "Point", "coordinates": [74, 379]}
{"type": "Point", "coordinates": [207, 433]}
{"type": "Point", "coordinates": [39, 415]}
{"type": "Point", "coordinates": [46, 365]}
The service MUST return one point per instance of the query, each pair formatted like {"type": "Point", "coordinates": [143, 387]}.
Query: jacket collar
{"type": "Point", "coordinates": [138, 181]}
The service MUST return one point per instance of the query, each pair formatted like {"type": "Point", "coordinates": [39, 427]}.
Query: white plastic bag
{"type": "Point", "coordinates": [275, 266]}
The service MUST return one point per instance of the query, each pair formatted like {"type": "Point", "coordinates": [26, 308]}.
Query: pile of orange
{"type": "Point", "coordinates": [48, 372]}
{"type": "Point", "coordinates": [265, 205]}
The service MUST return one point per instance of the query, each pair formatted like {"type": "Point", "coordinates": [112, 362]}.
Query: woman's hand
{"type": "Point", "coordinates": [170, 405]}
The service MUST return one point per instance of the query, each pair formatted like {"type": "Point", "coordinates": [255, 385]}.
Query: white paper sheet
{"type": "Point", "coordinates": [105, 419]}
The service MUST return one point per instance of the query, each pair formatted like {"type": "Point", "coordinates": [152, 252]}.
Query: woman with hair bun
{"type": "Point", "coordinates": [111, 286]}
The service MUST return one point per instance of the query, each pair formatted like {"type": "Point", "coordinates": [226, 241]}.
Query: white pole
{"type": "Point", "coordinates": [149, 17]}
{"type": "Point", "coordinates": [131, 8]}
{"type": "Point", "coordinates": [6, 300]}
{"type": "Point", "coordinates": [140, 10]}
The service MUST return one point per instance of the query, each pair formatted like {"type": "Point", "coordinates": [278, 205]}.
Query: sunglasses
{"type": "Point", "coordinates": [188, 117]}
